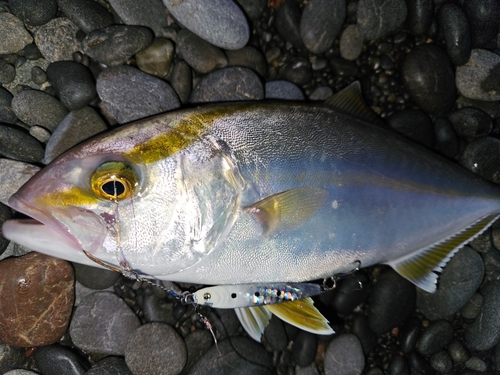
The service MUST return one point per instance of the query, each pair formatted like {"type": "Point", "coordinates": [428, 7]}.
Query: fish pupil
{"type": "Point", "coordinates": [113, 188]}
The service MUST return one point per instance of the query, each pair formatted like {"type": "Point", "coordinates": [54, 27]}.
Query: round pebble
{"type": "Point", "coordinates": [34, 12]}
{"type": "Point", "coordinates": [14, 36]}
{"type": "Point", "coordinates": [435, 337]}
{"type": "Point", "coordinates": [409, 335]}
{"type": "Point", "coordinates": [17, 144]}
{"type": "Point", "coordinates": [157, 58]}
{"type": "Point", "coordinates": [379, 18]}
{"type": "Point", "coordinates": [197, 344]}
{"type": "Point", "coordinates": [287, 23]}
{"type": "Point", "coordinates": [297, 71]}
{"type": "Point", "coordinates": [415, 125]}
{"type": "Point", "coordinates": [483, 16]}
{"type": "Point", "coordinates": [149, 13]}
{"type": "Point", "coordinates": [482, 156]}
{"type": "Point", "coordinates": [446, 138]}
{"type": "Point", "coordinates": [344, 356]}
{"type": "Point", "coordinates": [253, 8]}
{"type": "Point", "coordinates": [248, 57]}
{"type": "Point", "coordinates": [476, 364]}
{"type": "Point", "coordinates": [31, 52]}
{"type": "Point", "coordinates": [6, 112]}
{"type": "Point", "coordinates": [350, 293]}
{"type": "Point", "coordinates": [458, 352]}
{"type": "Point", "coordinates": [304, 348]}
{"type": "Point", "coordinates": [441, 362]}
{"type": "Point", "coordinates": [95, 278]}
{"type": "Point", "coordinates": [56, 359]}
{"type": "Point", "coordinates": [471, 122]}
{"type": "Point", "coordinates": [478, 78]}
{"type": "Point", "coordinates": [40, 133]}
{"type": "Point", "coordinates": [419, 365]}
{"type": "Point", "coordinates": [321, 93]}
{"type": "Point", "coordinates": [351, 43]}
{"type": "Point", "coordinates": [88, 15]}
{"type": "Point", "coordinates": [398, 366]}
{"type": "Point", "coordinates": [110, 366]}
{"type": "Point", "coordinates": [455, 26]}
{"type": "Point", "coordinates": [275, 334]}
{"type": "Point", "coordinates": [57, 39]}
{"type": "Point", "coordinates": [180, 79]}
{"type": "Point", "coordinates": [420, 15]}
{"type": "Point", "coordinates": [198, 53]}
{"type": "Point", "coordinates": [11, 357]}
{"type": "Point", "coordinates": [7, 72]}
{"type": "Point", "coordinates": [367, 338]}
{"type": "Point", "coordinates": [38, 75]}
{"type": "Point", "coordinates": [283, 90]}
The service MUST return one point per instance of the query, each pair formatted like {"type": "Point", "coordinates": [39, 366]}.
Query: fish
{"type": "Point", "coordinates": [256, 193]}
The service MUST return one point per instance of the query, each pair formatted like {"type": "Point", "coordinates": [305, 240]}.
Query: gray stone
{"type": "Point", "coordinates": [157, 58]}
{"type": "Point", "coordinates": [95, 278]}
{"type": "Point", "coordinates": [283, 90]}
{"type": "Point", "coordinates": [10, 356]}
{"type": "Point", "coordinates": [321, 93]}
{"type": "Point", "coordinates": [479, 78]}
{"type": "Point", "coordinates": [453, 22]}
{"type": "Point", "coordinates": [482, 156]}
{"type": "Point", "coordinates": [220, 22]}
{"type": "Point", "coordinates": [344, 356]}
{"type": "Point", "coordinates": [57, 40]}
{"type": "Point", "coordinates": [287, 23]}
{"type": "Point", "coordinates": [6, 112]}
{"type": "Point", "coordinates": [198, 53]}
{"type": "Point", "coordinates": [248, 57]}
{"type": "Point", "coordinates": [379, 18]}
{"type": "Point", "coordinates": [23, 76]}
{"type": "Point", "coordinates": [253, 8]}
{"type": "Point", "coordinates": [17, 144]}
{"type": "Point", "coordinates": [34, 12]}
{"type": "Point", "coordinates": [149, 13]}
{"type": "Point", "coordinates": [40, 133]}
{"type": "Point", "coordinates": [110, 366]}
{"type": "Point", "coordinates": [13, 175]}
{"type": "Point", "coordinates": [351, 43]}
{"type": "Point", "coordinates": [58, 359]}
{"type": "Point", "coordinates": [7, 72]}
{"type": "Point", "coordinates": [435, 337]}
{"type": "Point", "coordinates": [88, 15]}
{"type": "Point", "coordinates": [181, 81]}
{"type": "Point", "coordinates": [197, 344]}
{"type": "Point", "coordinates": [14, 36]}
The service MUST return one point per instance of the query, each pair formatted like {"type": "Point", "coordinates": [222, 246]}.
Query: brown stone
{"type": "Point", "coordinates": [36, 299]}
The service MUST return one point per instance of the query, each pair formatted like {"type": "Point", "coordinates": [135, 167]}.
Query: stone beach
{"type": "Point", "coordinates": [70, 69]}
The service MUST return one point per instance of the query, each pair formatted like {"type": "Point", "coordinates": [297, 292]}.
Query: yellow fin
{"type": "Point", "coordinates": [288, 209]}
{"type": "Point", "coordinates": [421, 267]}
{"type": "Point", "coordinates": [254, 319]}
{"type": "Point", "coordinates": [302, 314]}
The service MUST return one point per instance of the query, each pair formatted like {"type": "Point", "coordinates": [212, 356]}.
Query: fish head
{"type": "Point", "coordinates": [139, 198]}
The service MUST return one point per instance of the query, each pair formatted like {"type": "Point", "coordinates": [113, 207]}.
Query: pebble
{"type": "Point", "coordinates": [157, 58]}
{"type": "Point", "coordinates": [419, 365]}
{"type": "Point", "coordinates": [446, 138]}
{"type": "Point", "coordinates": [17, 144]}
{"type": "Point", "coordinates": [304, 348]}
{"type": "Point", "coordinates": [435, 337]}
{"type": "Point", "coordinates": [344, 356]}
{"type": "Point", "coordinates": [414, 124]}
{"type": "Point", "coordinates": [321, 23]}
{"type": "Point", "coordinates": [379, 18]}
{"type": "Point", "coordinates": [312, 369]}
{"type": "Point", "coordinates": [11, 357]}
{"type": "Point", "coordinates": [253, 8]}
{"type": "Point", "coordinates": [129, 94]}
{"type": "Point", "coordinates": [275, 334]}
{"type": "Point", "coordinates": [391, 301]}
{"type": "Point", "coordinates": [441, 362]}
{"type": "Point", "coordinates": [57, 39]}
{"type": "Point", "coordinates": [478, 78]}
{"type": "Point", "coordinates": [34, 12]}
{"type": "Point", "coordinates": [471, 123]}
{"type": "Point", "coordinates": [248, 57]}
{"type": "Point", "coordinates": [420, 16]}
{"type": "Point", "coordinates": [197, 344]}
{"type": "Point", "coordinates": [56, 359]}
{"type": "Point", "coordinates": [455, 27]}
{"type": "Point", "coordinates": [202, 56]}
{"type": "Point", "coordinates": [110, 366]}
{"type": "Point", "coordinates": [287, 23]}
{"type": "Point", "coordinates": [367, 338]}
{"type": "Point", "coordinates": [21, 372]}
{"type": "Point", "coordinates": [350, 293]}
{"type": "Point", "coordinates": [483, 16]}
{"type": "Point", "coordinates": [409, 335]}
{"type": "Point", "coordinates": [398, 366]}
{"type": "Point", "coordinates": [14, 36]}
{"type": "Point", "coordinates": [7, 72]}
{"type": "Point", "coordinates": [219, 22]}
{"type": "Point", "coordinates": [180, 79]}
{"type": "Point", "coordinates": [88, 15]}
{"type": "Point", "coordinates": [428, 77]}
{"type": "Point", "coordinates": [6, 112]}
{"type": "Point", "coordinates": [297, 71]}
{"type": "Point", "coordinates": [40, 133]}
{"type": "Point", "coordinates": [482, 156]}
{"type": "Point", "coordinates": [228, 84]}
{"type": "Point", "coordinates": [155, 349]}
{"type": "Point", "coordinates": [458, 352]}
{"type": "Point", "coordinates": [283, 90]}
{"type": "Point", "coordinates": [36, 299]}
{"type": "Point", "coordinates": [116, 44]}
{"type": "Point", "coordinates": [472, 309]}
{"type": "Point", "coordinates": [351, 43]}
{"type": "Point", "coordinates": [158, 310]}
{"type": "Point", "coordinates": [38, 75]}
{"type": "Point", "coordinates": [13, 175]}
{"type": "Point", "coordinates": [31, 52]}
{"type": "Point", "coordinates": [95, 278]}
{"type": "Point", "coordinates": [103, 312]}
{"type": "Point", "coordinates": [321, 93]}
{"type": "Point", "coordinates": [149, 13]}
{"type": "Point", "coordinates": [476, 364]}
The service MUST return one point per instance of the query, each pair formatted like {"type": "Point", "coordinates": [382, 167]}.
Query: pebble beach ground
{"type": "Point", "coordinates": [71, 69]}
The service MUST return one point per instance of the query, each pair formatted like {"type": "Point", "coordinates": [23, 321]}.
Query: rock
{"type": "Point", "coordinates": [312, 369]}
{"type": "Point", "coordinates": [453, 22]}
{"type": "Point", "coordinates": [17, 144]}
{"type": "Point", "coordinates": [35, 107]}
{"type": "Point", "coordinates": [379, 18]}
{"type": "Point", "coordinates": [36, 298]}
{"type": "Point", "coordinates": [129, 94]}
{"type": "Point", "coordinates": [248, 57]}
{"type": "Point", "coordinates": [57, 359]}
{"type": "Point", "coordinates": [304, 348]}
{"type": "Point", "coordinates": [5, 214]}
{"type": "Point", "coordinates": [116, 44]}
{"type": "Point", "coordinates": [6, 112]}
{"type": "Point", "coordinates": [149, 13]}
{"type": "Point", "coordinates": [283, 90]}
{"type": "Point", "coordinates": [88, 15]}
{"type": "Point", "coordinates": [180, 79]}
{"type": "Point", "coordinates": [7, 72]}
{"type": "Point", "coordinates": [413, 124]}
{"type": "Point", "coordinates": [198, 53]}
{"type": "Point", "coordinates": [418, 364]}
{"type": "Point", "coordinates": [458, 352]}
{"type": "Point", "coordinates": [409, 335]}
{"type": "Point", "coordinates": [219, 22]}
{"type": "Point", "coordinates": [253, 8]}
{"type": "Point", "coordinates": [110, 366]}
{"type": "Point", "coordinates": [435, 337]}
{"type": "Point", "coordinates": [34, 12]}
{"type": "Point", "coordinates": [350, 293]}
{"type": "Point", "coordinates": [57, 40]}
{"type": "Point", "coordinates": [441, 362]}
{"type": "Point", "coordinates": [156, 349]}
{"type": "Point", "coordinates": [344, 355]}
{"type": "Point", "coordinates": [197, 344]}
{"type": "Point", "coordinates": [351, 43]}
{"type": "Point", "coordinates": [95, 278]}
{"type": "Point", "coordinates": [275, 334]}
{"type": "Point", "coordinates": [398, 366]}
{"type": "Point", "coordinates": [287, 23]}
{"type": "Point", "coordinates": [471, 123]}
{"type": "Point", "coordinates": [483, 16]}
{"type": "Point", "coordinates": [479, 78]}
{"type": "Point", "coordinates": [228, 84]}
{"type": "Point", "coordinates": [321, 23]}
{"type": "Point", "coordinates": [367, 338]}
{"type": "Point", "coordinates": [420, 15]}
{"type": "Point", "coordinates": [31, 52]}
{"type": "Point", "coordinates": [157, 58]}
{"type": "Point", "coordinates": [101, 312]}
{"type": "Point", "coordinates": [158, 310]}
{"type": "Point", "coordinates": [428, 77]}
{"type": "Point", "coordinates": [473, 307]}
{"type": "Point", "coordinates": [11, 357]}
{"type": "Point", "coordinates": [13, 175]}
{"type": "Point", "coordinates": [482, 156]}
{"type": "Point", "coordinates": [38, 75]}
{"type": "Point", "coordinates": [297, 71]}
{"type": "Point", "coordinates": [15, 36]}
{"type": "Point", "coordinates": [446, 138]}
{"type": "Point", "coordinates": [321, 93]}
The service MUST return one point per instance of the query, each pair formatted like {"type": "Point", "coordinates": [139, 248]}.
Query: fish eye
{"type": "Point", "coordinates": [114, 181]}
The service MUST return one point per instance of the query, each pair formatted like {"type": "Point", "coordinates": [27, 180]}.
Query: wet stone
{"type": "Point", "coordinates": [197, 344]}
{"type": "Point", "coordinates": [471, 123]}
{"type": "Point", "coordinates": [11, 357]}
{"type": "Point", "coordinates": [34, 12]}
{"type": "Point", "coordinates": [95, 278]}
{"type": "Point", "coordinates": [350, 293]}
{"type": "Point", "coordinates": [36, 298]}
{"type": "Point", "coordinates": [409, 335]}
{"type": "Point", "coordinates": [351, 43]}
{"type": "Point", "coordinates": [320, 23]}
{"type": "Point", "coordinates": [56, 359]}
{"type": "Point", "coordinates": [102, 312]}
{"type": "Point", "coordinates": [253, 8]}
{"type": "Point", "coordinates": [31, 52]}
{"type": "Point", "coordinates": [321, 93]}
{"type": "Point", "coordinates": [248, 57]}
{"type": "Point", "coordinates": [479, 78]}
{"type": "Point", "coordinates": [57, 40]}
{"type": "Point", "coordinates": [202, 56]}
{"type": "Point", "coordinates": [420, 14]}
{"type": "Point", "coordinates": [458, 352]}
{"type": "Point", "coordinates": [149, 13]}
{"type": "Point", "coordinates": [441, 362]}
{"type": "Point", "coordinates": [287, 23]}
{"type": "Point", "coordinates": [304, 348]}
{"type": "Point", "coordinates": [116, 44]}
{"type": "Point", "coordinates": [283, 90]}
{"type": "Point", "coordinates": [228, 84]}
{"type": "Point", "coordinates": [455, 26]}
{"type": "Point", "coordinates": [436, 336]}
{"type": "Point", "coordinates": [275, 334]}
{"type": "Point", "coordinates": [157, 58]}
{"type": "Point", "coordinates": [155, 349]}
{"type": "Point", "coordinates": [446, 138]}
{"type": "Point", "coordinates": [483, 16]}
{"type": "Point", "coordinates": [398, 366]}
{"type": "Point", "coordinates": [419, 365]}
{"type": "Point", "coordinates": [6, 112]}
{"type": "Point", "coordinates": [38, 75]}
{"type": "Point", "coordinates": [482, 156]}
{"type": "Point", "coordinates": [379, 18]}
{"type": "Point", "coordinates": [180, 79]}
{"type": "Point", "coordinates": [7, 72]}
{"type": "Point", "coordinates": [110, 366]}
{"type": "Point", "coordinates": [297, 71]}
{"type": "Point", "coordinates": [219, 22]}
{"type": "Point", "coordinates": [40, 133]}
{"type": "Point", "coordinates": [414, 124]}
{"type": "Point", "coordinates": [476, 364]}
{"type": "Point", "coordinates": [13, 175]}
{"type": "Point", "coordinates": [129, 94]}
{"type": "Point", "coordinates": [472, 309]}
{"type": "Point", "coordinates": [367, 338]}
{"type": "Point", "coordinates": [88, 15]}
{"type": "Point", "coordinates": [16, 143]}
{"type": "Point", "coordinates": [14, 36]}
{"type": "Point", "coordinates": [344, 356]}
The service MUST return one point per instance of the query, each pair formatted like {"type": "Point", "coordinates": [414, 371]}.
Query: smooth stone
{"type": "Point", "coordinates": [457, 38]}
{"type": "Point", "coordinates": [492, 108]}
{"type": "Point", "coordinates": [248, 57]}
{"type": "Point", "coordinates": [34, 12]}
{"type": "Point", "coordinates": [36, 299]}
{"type": "Point", "coordinates": [56, 359]}
{"type": "Point", "coordinates": [158, 310]}
{"type": "Point", "coordinates": [38, 75]}
{"type": "Point", "coordinates": [219, 22]}
{"type": "Point", "coordinates": [74, 83]}
{"type": "Point", "coordinates": [149, 13]}
{"type": "Point", "coordinates": [351, 43]}
{"type": "Point", "coordinates": [283, 90]}
{"type": "Point", "coordinates": [350, 293]}
{"type": "Point", "coordinates": [409, 335]}
{"type": "Point", "coordinates": [320, 23]}
{"type": "Point", "coordinates": [7, 72]}
{"type": "Point", "coordinates": [287, 23]}
{"type": "Point", "coordinates": [441, 362]}
{"type": "Point", "coordinates": [253, 8]}
{"type": "Point", "coordinates": [419, 365]}
{"type": "Point", "coordinates": [157, 58]}
{"type": "Point", "coordinates": [420, 15]}
{"type": "Point", "coordinates": [391, 301]}
{"type": "Point", "coordinates": [31, 52]}
{"type": "Point", "coordinates": [297, 71]}
{"type": "Point", "coordinates": [476, 364]}
{"type": "Point", "coordinates": [483, 16]}
{"type": "Point", "coordinates": [224, 322]}
{"type": "Point", "coordinates": [446, 138]}
{"type": "Point", "coordinates": [459, 280]}
{"type": "Point", "coordinates": [21, 372]}
{"type": "Point", "coordinates": [110, 366]}
{"type": "Point", "coordinates": [16, 143]}
{"type": "Point", "coordinates": [103, 312]}
{"type": "Point", "coordinates": [143, 94]}
{"type": "Point", "coordinates": [304, 348]}
{"type": "Point", "coordinates": [398, 366]}
{"type": "Point", "coordinates": [116, 44]}
{"type": "Point", "coordinates": [11, 357]}
{"type": "Point", "coordinates": [367, 338]}
{"type": "Point", "coordinates": [180, 79]}
{"type": "Point", "coordinates": [471, 123]}
{"type": "Point", "coordinates": [343, 67]}
{"type": "Point", "coordinates": [155, 349]}
{"type": "Point", "coordinates": [13, 175]}
{"type": "Point", "coordinates": [321, 93]}
{"type": "Point", "coordinates": [482, 156]}
{"type": "Point", "coordinates": [228, 84]}
{"type": "Point", "coordinates": [479, 78]}
{"type": "Point", "coordinates": [379, 18]}
{"type": "Point", "coordinates": [14, 36]}
{"type": "Point", "coordinates": [237, 355]}
{"type": "Point", "coordinates": [428, 77]}
{"type": "Point", "coordinates": [458, 352]}
{"type": "Point", "coordinates": [202, 56]}
{"type": "Point", "coordinates": [435, 337]}
{"type": "Point", "coordinates": [95, 278]}
{"type": "Point", "coordinates": [414, 124]}
{"type": "Point", "coordinates": [275, 334]}
{"type": "Point", "coordinates": [35, 107]}
{"type": "Point", "coordinates": [57, 39]}
{"type": "Point", "coordinates": [88, 15]}
{"type": "Point", "coordinates": [5, 214]}
{"type": "Point", "coordinates": [344, 356]}
{"type": "Point", "coordinates": [197, 344]}
{"type": "Point", "coordinates": [6, 112]}
{"type": "Point", "coordinates": [312, 369]}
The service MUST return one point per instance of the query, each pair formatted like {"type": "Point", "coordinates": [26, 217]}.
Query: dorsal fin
{"type": "Point", "coordinates": [421, 267]}
{"type": "Point", "coordinates": [349, 101]}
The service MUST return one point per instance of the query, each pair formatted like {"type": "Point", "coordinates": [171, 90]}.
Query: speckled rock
{"type": "Point", "coordinates": [6, 112]}
{"type": "Point", "coordinates": [455, 26]}
{"type": "Point", "coordinates": [57, 40]}
{"type": "Point", "coordinates": [34, 12]}
{"type": "Point", "coordinates": [110, 366]}
{"type": "Point", "coordinates": [13, 175]}
{"type": "Point", "coordinates": [57, 359]}
{"type": "Point", "coordinates": [157, 58]}
{"type": "Point", "coordinates": [351, 43]}
{"type": "Point", "coordinates": [88, 15]}
{"type": "Point", "coordinates": [7, 72]}
{"type": "Point", "coordinates": [248, 57]}
{"type": "Point", "coordinates": [471, 123]}
{"type": "Point", "coordinates": [198, 53]}
{"type": "Point", "coordinates": [283, 90]}
{"type": "Point", "coordinates": [379, 18]}
{"type": "Point", "coordinates": [420, 14]}
{"type": "Point", "coordinates": [482, 156]}
{"type": "Point", "coordinates": [287, 23]}
{"type": "Point", "coordinates": [149, 13]}
{"type": "Point", "coordinates": [479, 78]}
{"type": "Point", "coordinates": [344, 355]}
{"type": "Point", "coordinates": [16, 143]}
{"type": "Point", "coordinates": [10, 357]}
{"type": "Point", "coordinates": [36, 299]}
{"type": "Point", "coordinates": [15, 36]}
{"type": "Point", "coordinates": [219, 22]}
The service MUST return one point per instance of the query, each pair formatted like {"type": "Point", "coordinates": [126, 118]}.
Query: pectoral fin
{"type": "Point", "coordinates": [288, 209]}
{"type": "Point", "coordinates": [420, 268]}
{"type": "Point", "coordinates": [254, 320]}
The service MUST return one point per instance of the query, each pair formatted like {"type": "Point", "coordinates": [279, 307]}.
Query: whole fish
{"type": "Point", "coordinates": [255, 192]}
